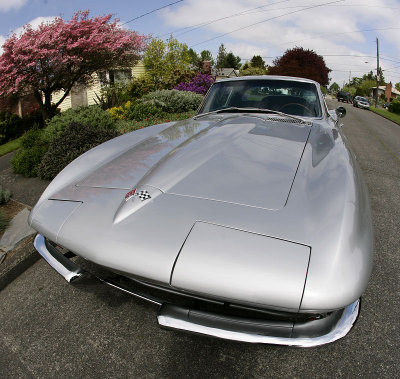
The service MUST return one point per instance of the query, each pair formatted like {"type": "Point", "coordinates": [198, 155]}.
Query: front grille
{"type": "Point", "coordinates": [165, 294]}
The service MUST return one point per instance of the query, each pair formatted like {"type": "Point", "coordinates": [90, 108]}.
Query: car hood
{"type": "Point", "coordinates": [217, 162]}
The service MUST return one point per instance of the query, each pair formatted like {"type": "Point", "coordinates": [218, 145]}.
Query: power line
{"type": "Point", "coordinates": [154, 10]}
{"type": "Point", "coordinates": [197, 26]}
{"type": "Point", "coordinates": [266, 20]}
{"type": "Point", "coordinates": [336, 34]}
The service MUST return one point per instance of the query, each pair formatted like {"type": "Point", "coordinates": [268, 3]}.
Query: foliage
{"type": "Point", "coordinates": [364, 88]}
{"type": "Point", "coordinates": [124, 126]}
{"type": "Point", "coordinates": [92, 115]}
{"type": "Point", "coordinates": [33, 148]}
{"type": "Point", "coordinates": [394, 106]}
{"type": "Point", "coordinates": [162, 61]}
{"type": "Point", "coordinates": [5, 195]}
{"type": "Point", "coordinates": [206, 55]}
{"type": "Point", "coordinates": [139, 87]}
{"type": "Point", "coordinates": [59, 54]}
{"type": "Point", "coordinates": [120, 113]}
{"type": "Point", "coordinates": [112, 95]}
{"type": "Point", "coordinates": [199, 84]}
{"type": "Point", "coordinates": [397, 86]}
{"type": "Point", "coordinates": [12, 126]}
{"type": "Point", "coordinates": [257, 62]}
{"type": "Point", "coordinates": [302, 63]}
{"type": "Point", "coordinates": [4, 221]}
{"type": "Point", "coordinates": [334, 87]}
{"type": "Point", "coordinates": [251, 71]}
{"type": "Point", "coordinates": [227, 60]}
{"type": "Point", "coordinates": [174, 101]}
{"type": "Point", "coordinates": [145, 110]}
{"type": "Point", "coordinates": [74, 140]}
{"type": "Point", "coordinates": [351, 90]}
{"type": "Point", "coordinates": [324, 90]}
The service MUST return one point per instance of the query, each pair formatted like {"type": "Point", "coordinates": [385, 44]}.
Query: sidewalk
{"type": "Point", "coordinates": [25, 192]}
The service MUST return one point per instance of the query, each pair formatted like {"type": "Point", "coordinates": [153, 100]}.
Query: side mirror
{"type": "Point", "coordinates": [341, 112]}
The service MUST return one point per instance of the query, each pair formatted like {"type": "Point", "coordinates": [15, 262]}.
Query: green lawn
{"type": "Point", "coordinates": [392, 116]}
{"type": "Point", "coordinates": [10, 146]}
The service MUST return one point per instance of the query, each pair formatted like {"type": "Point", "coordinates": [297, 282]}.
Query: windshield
{"type": "Point", "coordinates": [291, 97]}
{"type": "Point", "coordinates": [363, 99]}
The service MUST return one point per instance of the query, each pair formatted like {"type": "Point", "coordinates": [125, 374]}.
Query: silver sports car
{"type": "Point", "coordinates": [249, 222]}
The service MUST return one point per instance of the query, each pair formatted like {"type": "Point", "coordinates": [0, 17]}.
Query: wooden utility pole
{"type": "Point", "coordinates": [377, 74]}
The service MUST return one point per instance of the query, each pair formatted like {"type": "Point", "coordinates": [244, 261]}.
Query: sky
{"type": "Point", "coordinates": [344, 32]}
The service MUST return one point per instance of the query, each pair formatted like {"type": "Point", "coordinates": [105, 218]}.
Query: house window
{"type": "Point", "coordinates": [114, 77]}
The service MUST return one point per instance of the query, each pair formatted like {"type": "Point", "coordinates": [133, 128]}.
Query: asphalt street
{"type": "Point", "coordinates": [49, 328]}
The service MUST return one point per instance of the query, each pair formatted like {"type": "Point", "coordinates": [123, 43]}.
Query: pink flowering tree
{"type": "Point", "coordinates": [57, 55]}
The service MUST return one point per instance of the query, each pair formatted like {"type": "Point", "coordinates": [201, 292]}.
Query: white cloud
{"type": "Point", "coordinates": [6, 5]}
{"type": "Point", "coordinates": [34, 23]}
{"type": "Point", "coordinates": [317, 29]}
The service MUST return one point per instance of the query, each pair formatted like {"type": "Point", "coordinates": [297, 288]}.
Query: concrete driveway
{"type": "Point", "coordinates": [51, 329]}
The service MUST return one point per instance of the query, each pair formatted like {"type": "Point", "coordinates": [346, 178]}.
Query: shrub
{"type": "Point", "coordinates": [144, 110]}
{"type": "Point", "coordinates": [120, 113]}
{"type": "Point", "coordinates": [4, 195]}
{"type": "Point", "coordinates": [199, 84]}
{"type": "Point", "coordinates": [88, 115]}
{"type": "Point", "coordinates": [139, 87]}
{"type": "Point", "coordinates": [174, 101]}
{"type": "Point", "coordinates": [33, 148]}
{"type": "Point", "coordinates": [74, 140]}
{"type": "Point", "coordinates": [394, 106]}
{"type": "Point", "coordinates": [10, 125]}
{"type": "Point", "coordinates": [3, 221]}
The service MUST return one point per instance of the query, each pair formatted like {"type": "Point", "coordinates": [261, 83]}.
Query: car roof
{"type": "Point", "coordinates": [269, 77]}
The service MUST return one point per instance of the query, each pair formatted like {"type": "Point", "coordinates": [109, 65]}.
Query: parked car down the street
{"type": "Point", "coordinates": [249, 221]}
{"type": "Point", "coordinates": [361, 102]}
{"type": "Point", "coordinates": [343, 96]}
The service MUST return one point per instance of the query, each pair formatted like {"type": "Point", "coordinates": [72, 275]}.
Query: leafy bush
{"type": "Point", "coordinates": [173, 101]}
{"type": "Point", "coordinates": [74, 140]}
{"type": "Point", "coordinates": [199, 84]}
{"type": "Point", "coordinates": [139, 87]}
{"type": "Point", "coordinates": [3, 221]}
{"type": "Point", "coordinates": [33, 148]}
{"type": "Point", "coordinates": [145, 110]}
{"type": "Point", "coordinates": [12, 126]}
{"type": "Point", "coordinates": [120, 113]}
{"type": "Point", "coordinates": [92, 115]}
{"type": "Point", "coordinates": [9, 126]}
{"type": "Point", "coordinates": [4, 195]}
{"type": "Point", "coordinates": [394, 106]}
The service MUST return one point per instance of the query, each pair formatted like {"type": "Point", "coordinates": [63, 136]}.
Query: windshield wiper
{"type": "Point", "coordinates": [245, 110]}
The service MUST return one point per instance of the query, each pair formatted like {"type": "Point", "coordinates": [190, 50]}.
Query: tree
{"type": "Point", "coordinates": [165, 61]}
{"type": "Point", "coordinates": [334, 87]}
{"type": "Point", "coordinates": [206, 55]}
{"type": "Point", "coordinates": [302, 63]}
{"type": "Point", "coordinates": [59, 54]}
{"type": "Point", "coordinates": [195, 60]}
{"type": "Point", "coordinates": [221, 56]}
{"type": "Point", "coordinates": [257, 61]}
{"type": "Point", "coordinates": [397, 86]}
{"type": "Point", "coordinates": [231, 61]}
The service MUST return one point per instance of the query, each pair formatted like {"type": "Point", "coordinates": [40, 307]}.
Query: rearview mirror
{"type": "Point", "coordinates": [341, 111]}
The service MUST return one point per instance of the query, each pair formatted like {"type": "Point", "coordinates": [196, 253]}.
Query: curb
{"type": "Point", "coordinates": [14, 266]}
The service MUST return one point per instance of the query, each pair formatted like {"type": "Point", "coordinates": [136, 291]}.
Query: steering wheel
{"type": "Point", "coordinates": [297, 105]}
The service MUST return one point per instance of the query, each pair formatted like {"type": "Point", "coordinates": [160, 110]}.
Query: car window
{"type": "Point", "coordinates": [292, 97]}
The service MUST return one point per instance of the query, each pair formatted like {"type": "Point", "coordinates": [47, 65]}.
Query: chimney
{"type": "Point", "coordinates": [207, 67]}
{"type": "Point", "coordinates": [388, 91]}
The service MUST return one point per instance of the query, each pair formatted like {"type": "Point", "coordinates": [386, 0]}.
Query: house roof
{"type": "Point", "coordinates": [224, 71]}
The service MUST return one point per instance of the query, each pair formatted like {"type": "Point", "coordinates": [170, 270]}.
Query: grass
{"type": "Point", "coordinates": [125, 126]}
{"type": "Point", "coordinates": [10, 146]}
{"type": "Point", "coordinates": [3, 221]}
{"type": "Point", "coordinates": [383, 112]}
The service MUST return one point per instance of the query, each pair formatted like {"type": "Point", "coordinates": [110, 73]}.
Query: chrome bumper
{"type": "Point", "coordinates": [306, 334]}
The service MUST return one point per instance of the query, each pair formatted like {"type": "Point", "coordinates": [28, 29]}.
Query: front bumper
{"type": "Point", "coordinates": [303, 333]}
{"type": "Point", "coordinates": [363, 106]}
